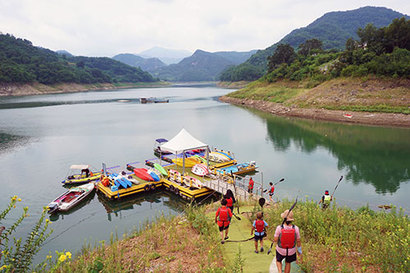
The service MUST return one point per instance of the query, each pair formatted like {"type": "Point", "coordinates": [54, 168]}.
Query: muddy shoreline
{"type": "Point", "coordinates": [365, 118]}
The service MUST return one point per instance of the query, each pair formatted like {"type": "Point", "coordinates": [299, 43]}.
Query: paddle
{"type": "Point", "coordinates": [281, 180]}
{"type": "Point", "coordinates": [284, 220]}
{"type": "Point", "coordinates": [337, 185]}
{"type": "Point", "coordinates": [237, 217]}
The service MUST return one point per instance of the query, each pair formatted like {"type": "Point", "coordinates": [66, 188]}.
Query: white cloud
{"type": "Point", "coordinates": [105, 28]}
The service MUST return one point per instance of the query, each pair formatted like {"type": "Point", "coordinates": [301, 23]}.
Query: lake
{"type": "Point", "coordinates": [41, 136]}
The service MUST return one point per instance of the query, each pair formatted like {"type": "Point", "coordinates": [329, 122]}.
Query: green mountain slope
{"type": "Point", "coordinates": [146, 64]}
{"type": "Point", "coordinates": [333, 29]}
{"type": "Point", "coordinates": [21, 62]}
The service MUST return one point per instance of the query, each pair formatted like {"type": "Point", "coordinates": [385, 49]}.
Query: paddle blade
{"type": "Point", "coordinates": [262, 201]}
{"type": "Point", "coordinates": [341, 178]}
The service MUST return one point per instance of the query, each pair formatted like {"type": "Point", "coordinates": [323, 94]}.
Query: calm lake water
{"type": "Point", "coordinates": [41, 136]}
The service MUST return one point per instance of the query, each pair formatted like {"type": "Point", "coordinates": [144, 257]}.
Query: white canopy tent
{"type": "Point", "coordinates": [182, 142]}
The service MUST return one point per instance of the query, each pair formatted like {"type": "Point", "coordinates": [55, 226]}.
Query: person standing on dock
{"type": "Point", "coordinates": [287, 237]}
{"type": "Point", "coordinates": [326, 199]}
{"type": "Point", "coordinates": [230, 199]}
{"type": "Point", "coordinates": [259, 227]}
{"type": "Point", "coordinates": [223, 218]}
{"type": "Point", "coordinates": [250, 186]}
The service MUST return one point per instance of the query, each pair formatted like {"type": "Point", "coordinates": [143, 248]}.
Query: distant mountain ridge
{"type": "Point", "coordinates": [166, 55]}
{"type": "Point", "coordinates": [201, 66]}
{"type": "Point", "coordinates": [149, 64]}
{"type": "Point", "coordinates": [333, 29]}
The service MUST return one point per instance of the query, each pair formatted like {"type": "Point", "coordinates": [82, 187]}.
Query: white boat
{"type": "Point", "coordinates": [70, 198]}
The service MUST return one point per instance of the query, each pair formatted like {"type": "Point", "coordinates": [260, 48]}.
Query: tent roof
{"type": "Point", "coordinates": [79, 167]}
{"type": "Point", "coordinates": [181, 142]}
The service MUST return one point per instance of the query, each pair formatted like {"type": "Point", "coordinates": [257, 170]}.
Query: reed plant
{"type": "Point", "coordinates": [345, 240]}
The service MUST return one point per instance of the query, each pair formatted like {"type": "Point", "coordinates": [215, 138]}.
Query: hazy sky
{"type": "Point", "coordinates": [109, 27]}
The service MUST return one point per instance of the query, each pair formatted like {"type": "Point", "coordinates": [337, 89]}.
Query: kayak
{"type": "Point", "coordinates": [143, 174]}
{"type": "Point", "coordinates": [160, 169]}
{"type": "Point", "coordinates": [192, 182]}
{"type": "Point", "coordinates": [70, 198]}
{"type": "Point", "coordinates": [218, 157]}
{"type": "Point", "coordinates": [189, 162]}
{"type": "Point", "coordinates": [154, 175]}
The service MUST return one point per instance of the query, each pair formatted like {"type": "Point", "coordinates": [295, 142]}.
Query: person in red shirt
{"type": "Point", "coordinates": [230, 199]}
{"type": "Point", "coordinates": [271, 191]}
{"type": "Point", "coordinates": [223, 218]}
{"type": "Point", "coordinates": [250, 187]}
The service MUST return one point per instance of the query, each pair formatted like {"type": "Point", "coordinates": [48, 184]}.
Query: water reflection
{"type": "Point", "coordinates": [373, 155]}
{"type": "Point", "coordinates": [8, 141]}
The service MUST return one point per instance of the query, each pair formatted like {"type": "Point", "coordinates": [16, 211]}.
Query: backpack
{"type": "Point", "coordinates": [223, 214]}
{"type": "Point", "coordinates": [287, 237]}
{"type": "Point", "coordinates": [260, 226]}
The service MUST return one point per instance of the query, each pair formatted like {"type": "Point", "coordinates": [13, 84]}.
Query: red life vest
{"type": "Point", "coordinates": [223, 214]}
{"type": "Point", "coordinates": [260, 226]}
{"type": "Point", "coordinates": [287, 237]}
{"type": "Point", "coordinates": [272, 189]}
{"type": "Point", "coordinates": [229, 202]}
{"type": "Point", "coordinates": [251, 183]}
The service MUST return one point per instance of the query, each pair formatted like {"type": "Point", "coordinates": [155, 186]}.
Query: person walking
{"type": "Point", "coordinates": [259, 227]}
{"type": "Point", "coordinates": [326, 199]}
{"type": "Point", "coordinates": [271, 191]}
{"type": "Point", "coordinates": [287, 239]}
{"type": "Point", "coordinates": [230, 199]}
{"type": "Point", "coordinates": [223, 218]}
{"type": "Point", "coordinates": [250, 186]}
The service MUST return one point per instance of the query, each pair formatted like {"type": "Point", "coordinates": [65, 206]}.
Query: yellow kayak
{"type": "Point", "coordinates": [189, 162]}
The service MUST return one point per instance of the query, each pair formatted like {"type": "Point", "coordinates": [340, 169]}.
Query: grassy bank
{"type": "Point", "coordinates": [350, 94]}
{"type": "Point", "coordinates": [334, 240]}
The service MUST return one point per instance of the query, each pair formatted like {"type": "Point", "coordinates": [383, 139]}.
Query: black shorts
{"type": "Point", "coordinates": [259, 237]}
{"type": "Point", "coordinates": [270, 194]}
{"type": "Point", "coordinates": [231, 208]}
{"type": "Point", "coordinates": [288, 259]}
{"type": "Point", "coordinates": [223, 227]}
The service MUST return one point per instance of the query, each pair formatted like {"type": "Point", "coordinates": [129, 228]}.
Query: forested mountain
{"type": "Point", "coordinates": [150, 64]}
{"type": "Point", "coordinates": [201, 66]}
{"type": "Point", "coordinates": [333, 29]}
{"type": "Point", "coordinates": [21, 62]}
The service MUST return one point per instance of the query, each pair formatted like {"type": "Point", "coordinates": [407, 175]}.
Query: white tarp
{"type": "Point", "coordinates": [183, 141]}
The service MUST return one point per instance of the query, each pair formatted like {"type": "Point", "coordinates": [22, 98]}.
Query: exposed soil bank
{"type": "Point", "coordinates": [369, 118]}
{"type": "Point", "coordinates": [15, 89]}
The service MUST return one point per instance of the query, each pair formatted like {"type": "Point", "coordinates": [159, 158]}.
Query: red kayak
{"type": "Point", "coordinates": [143, 174]}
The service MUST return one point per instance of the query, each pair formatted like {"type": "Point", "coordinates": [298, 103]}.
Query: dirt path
{"type": "Point", "coordinates": [380, 119]}
{"type": "Point", "coordinates": [253, 262]}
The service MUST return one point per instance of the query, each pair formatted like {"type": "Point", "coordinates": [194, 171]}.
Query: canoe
{"type": "Point", "coordinates": [227, 154]}
{"type": "Point", "coordinates": [70, 198]}
{"type": "Point", "coordinates": [200, 158]}
{"type": "Point", "coordinates": [143, 174]}
{"type": "Point", "coordinates": [200, 170]}
{"type": "Point", "coordinates": [241, 168]}
{"type": "Point", "coordinates": [189, 162]}
{"type": "Point", "coordinates": [160, 169]}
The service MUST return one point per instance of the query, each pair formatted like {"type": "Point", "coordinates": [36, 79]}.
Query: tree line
{"type": "Point", "coordinates": [381, 51]}
{"type": "Point", "coordinates": [21, 62]}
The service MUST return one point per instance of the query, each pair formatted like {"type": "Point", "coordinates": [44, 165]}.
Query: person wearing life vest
{"type": "Point", "coordinates": [326, 199]}
{"type": "Point", "coordinates": [250, 187]}
{"type": "Point", "coordinates": [259, 227]}
{"type": "Point", "coordinates": [287, 239]}
{"type": "Point", "coordinates": [271, 191]}
{"type": "Point", "coordinates": [230, 199]}
{"type": "Point", "coordinates": [223, 218]}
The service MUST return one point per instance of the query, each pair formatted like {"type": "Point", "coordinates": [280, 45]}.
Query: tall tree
{"type": "Point", "coordinates": [310, 46]}
{"type": "Point", "coordinates": [284, 53]}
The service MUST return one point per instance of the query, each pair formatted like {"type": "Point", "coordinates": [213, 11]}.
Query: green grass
{"type": "Point", "coordinates": [381, 108]}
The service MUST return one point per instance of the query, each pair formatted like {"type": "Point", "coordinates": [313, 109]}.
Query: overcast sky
{"type": "Point", "coordinates": [109, 27]}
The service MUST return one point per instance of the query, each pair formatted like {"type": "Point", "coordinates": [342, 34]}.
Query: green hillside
{"type": "Point", "coordinates": [21, 62]}
{"type": "Point", "coordinates": [333, 29]}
